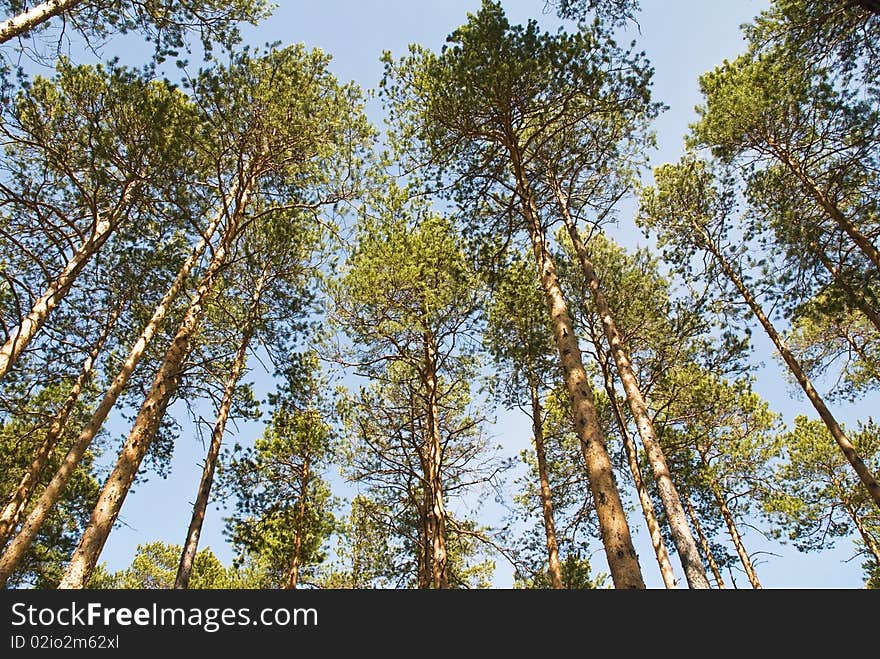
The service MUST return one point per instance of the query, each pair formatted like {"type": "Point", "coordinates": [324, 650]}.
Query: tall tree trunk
{"type": "Point", "coordinates": [19, 498]}
{"type": "Point", "coordinates": [860, 239]}
{"type": "Point", "coordinates": [732, 529]}
{"type": "Point", "coordinates": [684, 541]}
{"type": "Point", "coordinates": [704, 543]}
{"type": "Point", "coordinates": [434, 477]}
{"type": "Point", "coordinates": [27, 329]}
{"type": "Point", "coordinates": [846, 446]}
{"type": "Point", "coordinates": [32, 17]}
{"type": "Point", "coordinates": [632, 459]}
{"type": "Point", "coordinates": [622, 559]}
{"type": "Point", "coordinates": [53, 491]}
{"type": "Point", "coordinates": [546, 495]}
{"type": "Point", "coordinates": [147, 422]}
{"type": "Point", "coordinates": [200, 507]}
{"type": "Point", "coordinates": [296, 559]}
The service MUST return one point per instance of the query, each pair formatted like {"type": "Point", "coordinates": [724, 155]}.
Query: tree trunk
{"type": "Point", "coordinates": [859, 300]}
{"type": "Point", "coordinates": [622, 559]}
{"type": "Point", "coordinates": [852, 456]}
{"type": "Point", "coordinates": [27, 329]}
{"type": "Point", "coordinates": [735, 537]}
{"type": "Point", "coordinates": [704, 543]}
{"type": "Point", "coordinates": [732, 529]}
{"type": "Point", "coordinates": [147, 422]}
{"type": "Point", "coordinates": [53, 491]}
{"type": "Point", "coordinates": [870, 541]}
{"type": "Point", "coordinates": [200, 507]}
{"type": "Point", "coordinates": [20, 497]}
{"type": "Point", "coordinates": [546, 495]}
{"type": "Point", "coordinates": [296, 559]}
{"type": "Point", "coordinates": [860, 239]}
{"type": "Point", "coordinates": [684, 541]}
{"type": "Point", "coordinates": [31, 18]}
{"type": "Point", "coordinates": [632, 459]}
{"type": "Point", "coordinates": [434, 477]}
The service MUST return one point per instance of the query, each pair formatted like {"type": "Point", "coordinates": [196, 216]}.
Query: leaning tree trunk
{"type": "Point", "coordinates": [732, 529]}
{"type": "Point", "coordinates": [27, 329]}
{"type": "Point", "coordinates": [704, 543]}
{"type": "Point", "coordinates": [622, 559]}
{"type": "Point", "coordinates": [53, 491]}
{"type": "Point", "coordinates": [858, 299]}
{"type": "Point", "coordinates": [146, 423]}
{"type": "Point", "coordinates": [200, 507]}
{"type": "Point", "coordinates": [688, 552]}
{"type": "Point", "coordinates": [434, 476]}
{"type": "Point", "coordinates": [858, 464]}
{"type": "Point", "coordinates": [546, 494]}
{"type": "Point", "coordinates": [632, 459]}
{"type": "Point", "coordinates": [33, 17]}
{"type": "Point", "coordinates": [19, 498]}
{"type": "Point", "coordinates": [827, 204]}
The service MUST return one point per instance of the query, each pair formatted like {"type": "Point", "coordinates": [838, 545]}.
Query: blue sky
{"type": "Point", "coordinates": [682, 38]}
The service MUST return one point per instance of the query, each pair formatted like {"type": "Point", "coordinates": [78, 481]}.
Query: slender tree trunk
{"type": "Point", "coordinates": [32, 17]}
{"type": "Point", "coordinates": [11, 513]}
{"type": "Point", "coordinates": [732, 529]}
{"type": "Point", "coordinates": [629, 446]}
{"type": "Point", "coordinates": [858, 464]}
{"type": "Point", "coordinates": [437, 512]}
{"type": "Point", "coordinates": [684, 541]}
{"type": "Point", "coordinates": [704, 543]}
{"type": "Point", "coordinates": [857, 298]}
{"type": "Point", "coordinates": [546, 495]}
{"type": "Point", "coordinates": [200, 507]}
{"type": "Point", "coordinates": [870, 541]}
{"type": "Point", "coordinates": [622, 559]}
{"type": "Point", "coordinates": [860, 239]}
{"type": "Point", "coordinates": [296, 559]}
{"type": "Point", "coordinates": [27, 329]}
{"type": "Point", "coordinates": [53, 491]}
{"type": "Point", "coordinates": [147, 422]}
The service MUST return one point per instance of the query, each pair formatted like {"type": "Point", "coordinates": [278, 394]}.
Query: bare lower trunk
{"type": "Point", "coordinates": [33, 17]}
{"type": "Point", "coordinates": [684, 541]}
{"type": "Point", "coordinates": [145, 425]}
{"type": "Point", "coordinates": [623, 562]}
{"type": "Point", "coordinates": [53, 491]}
{"type": "Point", "coordinates": [200, 507]}
{"type": "Point", "coordinates": [546, 495]}
{"type": "Point", "coordinates": [849, 451]}
{"type": "Point", "coordinates": [735, 535]}
{"type": "Point", "coordinates": [434, 477]}
{"type": "Point", "coordinates": [19, 498]}
{"type": "Point", "coordinates": [424, 554]}
{"type": "Point", "coordinates": [27, 329]}
{"type": "Point", "coordinates": [704, 543]}
{"type": "Point", "coordinates": [632, 459]}
{"type": "Point", "coordinates": [296, 559]}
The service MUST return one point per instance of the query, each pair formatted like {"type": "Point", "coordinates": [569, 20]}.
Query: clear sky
{"type": "Point", "coordinates": [683, 38]}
